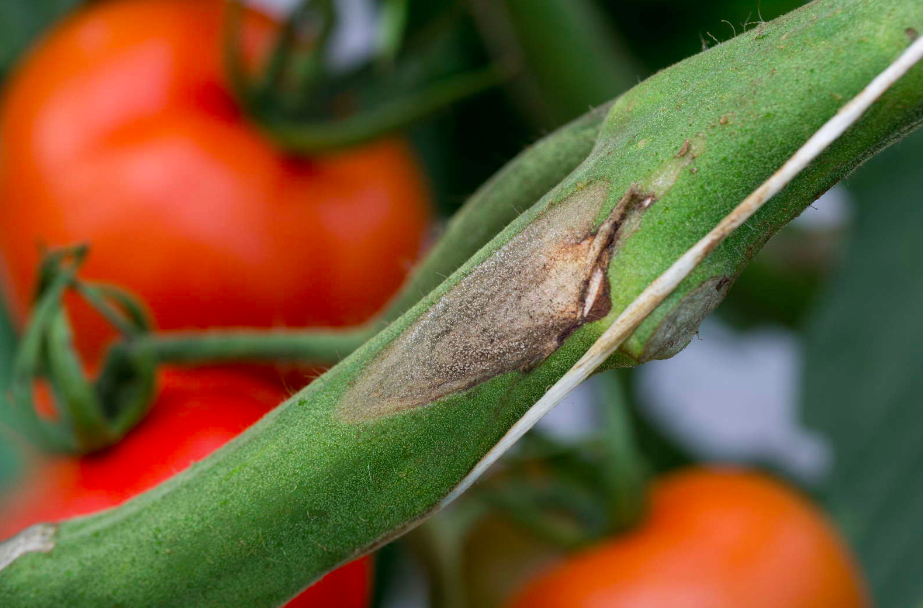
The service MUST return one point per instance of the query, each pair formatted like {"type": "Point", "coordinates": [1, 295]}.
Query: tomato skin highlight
{"type": "Point", "coordinates": [713, 538]}
{"type": "Point", "coordinates": [196, 412]}
{"type": "Point", "coordinates": [120, 130]}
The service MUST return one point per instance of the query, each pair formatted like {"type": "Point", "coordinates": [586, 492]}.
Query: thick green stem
{"type": "Point", "coordinates": [377, 443]}
{"type": "Point", "coordinates": [319, 347]}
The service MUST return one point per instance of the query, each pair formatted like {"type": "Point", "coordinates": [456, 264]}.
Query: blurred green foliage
{"type": "Point", "coordinates": [565, 57]}
{"type": "Point", "coordinates": [22, 20]}
{"type": "Point", "coordinates": [863, 378]}
{"type": "Point", "coordinates": [7, 343]}
{"type": "Point", "coordinates": [9, 457]}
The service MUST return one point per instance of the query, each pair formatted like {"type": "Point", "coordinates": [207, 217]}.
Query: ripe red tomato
{"type": "Point", "coordinates": [195, 413]}
{"type": "Point", "coordinates": [712, 539]}
{"type": "Point", "coordinates": [119, 130]}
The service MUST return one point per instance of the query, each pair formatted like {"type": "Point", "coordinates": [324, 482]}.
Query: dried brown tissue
{"type": "Point", "coordinates": [509, 313]}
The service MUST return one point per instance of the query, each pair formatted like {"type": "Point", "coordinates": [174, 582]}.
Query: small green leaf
{"type": "Point", "coordinates": [863, 383]}
{"type": "Point", "coordinates": [21, 21]}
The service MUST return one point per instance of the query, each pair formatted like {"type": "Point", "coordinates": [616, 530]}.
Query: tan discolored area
{"type": "Point", "coordinates": [34, 539]}
{"type": "Point", "coordinates": [509, 314]}
{"type": "Point", "coordinates": [665, 176]}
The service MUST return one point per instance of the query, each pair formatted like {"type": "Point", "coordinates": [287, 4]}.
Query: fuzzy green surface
{"type": "Point", "coordinates": [303, 491]}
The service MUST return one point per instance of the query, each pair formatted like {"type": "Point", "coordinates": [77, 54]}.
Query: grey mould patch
{"type": "Point", "coordinates": [677, 329]}
{"type": "Point", "coordinates": [38, 538]}
{"type": "Point", "coordinates": [509, 314]}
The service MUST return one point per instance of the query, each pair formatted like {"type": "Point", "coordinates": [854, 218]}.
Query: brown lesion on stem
{"type": "Point", "coordinates": [508, 314]}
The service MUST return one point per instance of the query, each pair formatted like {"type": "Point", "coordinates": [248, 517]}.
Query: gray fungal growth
{"type": "Point", "coordinates": [508, 314]}
{"type": "Point", "coordinates": [37, 538]}
{"type": "Point", "coordinates": [677, 329]}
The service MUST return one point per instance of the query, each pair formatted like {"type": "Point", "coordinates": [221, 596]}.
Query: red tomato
{"type": "Point", "coordinates": [119, 130]}
{"type": "Point", "coordinates": [196, 412]}
{"type": "Point", "coordinates": [712, 539]}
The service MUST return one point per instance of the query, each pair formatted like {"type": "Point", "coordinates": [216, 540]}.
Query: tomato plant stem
{"type": "Point", "coordinates": [217, 346]}
{"type": "Point", "coordinates": [665, 284]}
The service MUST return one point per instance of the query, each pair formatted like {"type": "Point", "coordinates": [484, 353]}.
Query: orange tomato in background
{"type": "Point", "coordinates": [196, 412]}
{"type": "Point", "coordinates": [120, 130]}
{"type": "Point", "coordinates": [712, 539]}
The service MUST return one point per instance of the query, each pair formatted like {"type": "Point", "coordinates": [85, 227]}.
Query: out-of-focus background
{"type": "Point", "coordinates": [812, 367]}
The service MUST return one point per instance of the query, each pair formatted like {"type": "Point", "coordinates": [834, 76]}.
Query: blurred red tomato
{"type": "Point", "coordinates": [712, 539]}
{"type": "Point", "coordinates": [196, 412]}
{"type": "Point", "coordinates": [120, 130]}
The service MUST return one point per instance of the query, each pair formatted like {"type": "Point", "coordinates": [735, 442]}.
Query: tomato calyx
{"type": "Point", "coordinates": [56, 403]}
{"type": "Point", "coordinates": [299, 102]}
{"type": "Point", "coordinates": [62, 407]}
